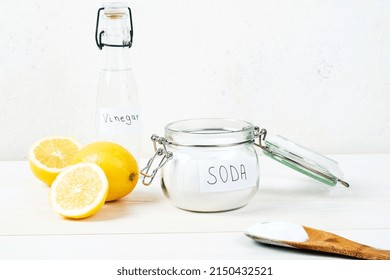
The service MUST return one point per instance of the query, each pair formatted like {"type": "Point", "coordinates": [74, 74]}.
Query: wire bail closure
{"type": "Point", "coordinates": [261, 134]}
{"type": "Point", "coordinates": [160, 152]}
{"type": "Point", "coordinates": [98, 36]}
{"type": "Point", "coordinates": [167, 155]}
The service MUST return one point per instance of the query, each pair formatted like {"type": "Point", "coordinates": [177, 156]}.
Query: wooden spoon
{"type": "Point", "coordinates": [318, 240]}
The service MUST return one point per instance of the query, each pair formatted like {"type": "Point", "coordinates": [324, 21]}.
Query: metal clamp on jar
{"type": "Point", "coordinates": [211, 165]}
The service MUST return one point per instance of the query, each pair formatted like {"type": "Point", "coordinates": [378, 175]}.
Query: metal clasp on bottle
{"type": "Point", "coordinates": [98, 36]}
{"type": "Point", "coordinates": [160, 152]}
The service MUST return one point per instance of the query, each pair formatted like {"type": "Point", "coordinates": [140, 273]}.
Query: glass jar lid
{"type": "Point", "coordinates": [303, 160]}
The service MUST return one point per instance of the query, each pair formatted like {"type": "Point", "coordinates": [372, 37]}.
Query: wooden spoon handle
{"type": "Point", "coordinates": [331, 243]}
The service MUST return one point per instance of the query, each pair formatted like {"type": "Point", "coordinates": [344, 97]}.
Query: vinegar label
{"type": "Point", "coordinates": [119, 120]}
{"type": "Point", "coordinates": [223, 175]}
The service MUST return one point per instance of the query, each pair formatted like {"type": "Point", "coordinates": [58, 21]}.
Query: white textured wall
{"type": "Point", "coordinates": [316, 72]}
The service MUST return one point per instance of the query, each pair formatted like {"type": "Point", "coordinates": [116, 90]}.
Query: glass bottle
{"type": "Point", "coordinates": [118, 112]}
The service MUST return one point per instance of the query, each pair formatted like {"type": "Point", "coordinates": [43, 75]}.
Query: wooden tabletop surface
{"type": "Point", "coordinates": [145, 225]}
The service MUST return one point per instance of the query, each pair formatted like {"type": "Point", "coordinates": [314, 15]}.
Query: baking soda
{"type": "Point", "coordinates": [278, 231]}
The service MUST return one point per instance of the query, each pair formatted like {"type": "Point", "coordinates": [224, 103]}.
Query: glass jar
{"type": "Point", "coordinates": [213, 165]}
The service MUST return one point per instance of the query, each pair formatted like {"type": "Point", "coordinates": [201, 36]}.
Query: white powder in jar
{"type": "Point", "coordinates": [278, 231]}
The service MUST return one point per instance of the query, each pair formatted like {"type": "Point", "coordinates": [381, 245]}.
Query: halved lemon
{"type": "Point", "coordinates": [50, 155]}
{"type": "Point", "coordinates": [79, 191]}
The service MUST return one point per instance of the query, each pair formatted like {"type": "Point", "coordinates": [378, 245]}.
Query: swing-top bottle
{"type": "Point", "coordinates": [118, 113]}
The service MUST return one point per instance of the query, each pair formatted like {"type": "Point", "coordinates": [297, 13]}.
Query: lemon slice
{"type": "Point", "coordinates": [79, 191]}
{"type": "Point", "coordinates": [50, 155]}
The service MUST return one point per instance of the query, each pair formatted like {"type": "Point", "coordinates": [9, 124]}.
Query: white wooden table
{"type": "Point", "coordinates": [145, 226]}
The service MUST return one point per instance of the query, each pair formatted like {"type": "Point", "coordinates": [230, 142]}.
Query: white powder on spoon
{"type": "Point", "coordinates": [278, 231]}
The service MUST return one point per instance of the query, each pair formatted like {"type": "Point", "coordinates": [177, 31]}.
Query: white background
{"type": "Point", "coordinates": [316, 72]}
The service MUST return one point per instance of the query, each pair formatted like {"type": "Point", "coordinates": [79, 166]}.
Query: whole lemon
{"type": "Point", "coordinates": [118, 164]}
